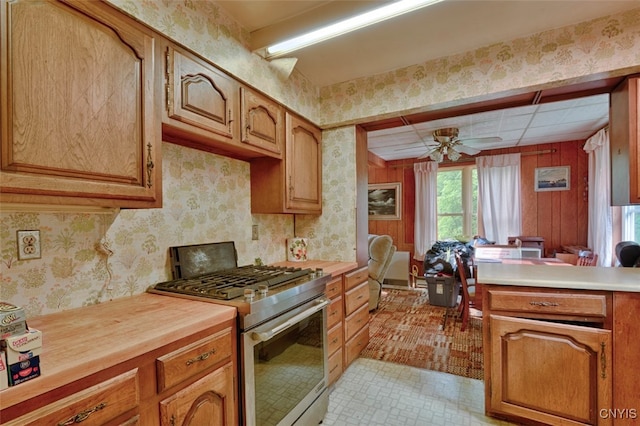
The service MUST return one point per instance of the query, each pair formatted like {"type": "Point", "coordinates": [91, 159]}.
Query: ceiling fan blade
{"type": "Point", "coordinates": [425, 155]}
{"type": "Point", "coordinates": [467, 149]}
{"type": "Point", "coordinates": [491, 139]}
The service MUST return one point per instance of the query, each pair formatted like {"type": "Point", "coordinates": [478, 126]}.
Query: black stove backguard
{"type": "Point", "coordinates": [199, 259]}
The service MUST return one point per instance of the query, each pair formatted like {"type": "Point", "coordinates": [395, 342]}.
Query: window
{"type": "Point", "coordinates": [457, 202]}
{"type": "Point", "coordinates": [631, 223]}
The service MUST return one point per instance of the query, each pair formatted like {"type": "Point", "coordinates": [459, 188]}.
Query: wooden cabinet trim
{"type": "Point", "coordinates": [356, 297]}
{"type": "Point", "coordinates": [334, 288]}
{"type": "Point", "coordinates": [98, 404]}
{"type": "Point", "coordinates": [356, 277]}
{"type": "Point", "coordinates": [539, 302]}
{"type": "Point", "coordinates": [187, 362]}
{"type": "Point", "coordinates": [356, 321]}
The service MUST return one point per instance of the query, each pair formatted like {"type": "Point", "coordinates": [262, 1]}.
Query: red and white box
{"type": "Point", "coordinates": [4, 374]}
{"type": "Point", "coordinates": [23, 356]}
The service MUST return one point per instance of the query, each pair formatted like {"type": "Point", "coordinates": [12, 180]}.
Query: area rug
{"type": "Point", "coordinates": [406, 329]}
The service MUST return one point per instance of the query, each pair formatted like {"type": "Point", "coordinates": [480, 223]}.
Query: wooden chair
{"type": "Point", "coordinates": [468, 291]}
{"type": "Point", "coordinates": [587, 259]}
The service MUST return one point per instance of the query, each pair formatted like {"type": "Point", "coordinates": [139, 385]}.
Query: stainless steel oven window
{"type": "Point", "coordinates": [285, 365]}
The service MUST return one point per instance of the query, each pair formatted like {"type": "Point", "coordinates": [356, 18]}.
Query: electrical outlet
{"type": "Point", "coordinates": [254, 232]}
{"type": "Point", "coordinates": [29, 245]}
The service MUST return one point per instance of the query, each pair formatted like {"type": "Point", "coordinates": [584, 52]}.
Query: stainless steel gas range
{"type": "Point", "coordinates": [283, 362]}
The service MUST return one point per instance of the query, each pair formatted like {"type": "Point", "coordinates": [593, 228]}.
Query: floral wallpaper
{"type": "Point", "coordinates": [90, 258]}
{"type": "Point", "coordinates": [608, 45]}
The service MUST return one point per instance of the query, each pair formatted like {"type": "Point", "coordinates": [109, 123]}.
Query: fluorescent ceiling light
{"type": "Point", "coordinates": [348, 25]}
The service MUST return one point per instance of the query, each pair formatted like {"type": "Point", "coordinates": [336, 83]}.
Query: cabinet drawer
{"type": "Point", "coordinates": [96, 405]}
{"type": "Point", "coordinates": [335, 366]}
{"type": "Point", "coordinates": [334, 312]}
{"type": "Point", "coordinates": [356, 297]}
{"type": "Point", "coordinates": [356, 345]}
{"type": "Point", "coordinates": [356, 277]}
{"type": "Point", "coordinates": [356, 321]}
{"type": "Point", "coordinates": [570, 304]}
{"type": "Point", "coordinates": [186, 362]}
{"type": "Point", "coordinates": [334, 338]}
{"type": "Point", "coordinates": [334, 288]}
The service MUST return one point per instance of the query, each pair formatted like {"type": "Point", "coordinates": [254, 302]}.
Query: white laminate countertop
{"type": "Point", "coordinates": [560, 276]}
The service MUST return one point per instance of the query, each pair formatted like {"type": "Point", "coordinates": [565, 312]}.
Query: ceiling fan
{"type": "Point", "coordinates": [448, 144]}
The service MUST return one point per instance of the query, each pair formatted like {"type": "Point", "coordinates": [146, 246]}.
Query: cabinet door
{"type": "Point", "coordinates": [303, 166]}
{"type": "Point", "coordinates": [206, 402]}
{"type": "Point", "coordinates": [199, 95]}
{"type": "Point", "coordinates": [78, 122]}
{"type": "Point", "coordinates": [548, 372]}
{"type": "Point", "coordinates": [262, 122]}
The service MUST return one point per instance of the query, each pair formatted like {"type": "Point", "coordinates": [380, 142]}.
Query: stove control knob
{"type": "Point", "coordinates": [249, 294]}
{"type": "Point", "coordinates": [263, 289]}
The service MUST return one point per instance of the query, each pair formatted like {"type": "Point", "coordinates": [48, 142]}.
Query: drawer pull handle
{"type": "Point", "coordinates": [83, 415]}
{"type": "Point", "coordinates": [201, 357]}
{"type": "Point", "coordinates": [335, 340]}
{"type": "Point", "coordinates": [544, 303]}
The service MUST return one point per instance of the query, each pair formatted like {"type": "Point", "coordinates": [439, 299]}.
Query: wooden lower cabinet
{"type": "Point", "coordinates": [208, 401]}
{"type": "Point", "coordinates": [548, 355]}
{"type": "Point", "coordinates": [334, 327]}
{"type": "Point", "coordinates": [104, 403]}
{"type": "Point", "coordinates": [188, 381]}
{"type": "Point", "coordinates": [347, 319]}
{"type": "Point", "coordinates": [356, 314]}
{"type": "Point", "coordinates": [551, 373]}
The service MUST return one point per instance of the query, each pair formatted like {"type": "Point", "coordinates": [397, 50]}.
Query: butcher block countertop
{"type": "Point", "coordinates": [334, 268]}
{"type": "Point", "coordinates": [552, 276]}
{"type": "Point", "coordinates": [83, 341]}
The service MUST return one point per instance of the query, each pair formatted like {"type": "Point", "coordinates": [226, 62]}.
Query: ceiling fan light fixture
{"type": "Point", "coordinates": [453, 155]}
{"type": "Point", "coordinates": [342, 27]}
{"type": "Point", "coordinates": [436, 156]}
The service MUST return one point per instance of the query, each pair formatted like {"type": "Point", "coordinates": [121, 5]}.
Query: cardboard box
{"type": "Point", "coordinates": [13, 320]}
{"type": "Point", "coordinates": [23, 356]}
{"type": "Point", "coordinates": [4, 373]}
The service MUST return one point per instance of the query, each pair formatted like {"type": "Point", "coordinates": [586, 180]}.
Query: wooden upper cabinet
{"type": "Point", "coordinates": [78, 106]}
{"type": "Point", "coordinates": [201, 109]}
{"type": "Point", "coordinates": [293, 185]}
{"type": "Point", "coordinates": [624, 135]}
{"type": "Point", "coordinates": [304, 165]}
{"type": "Point", "coordinates": [200, 97]}
{"type": "Point", "coordinates": [262, 122]}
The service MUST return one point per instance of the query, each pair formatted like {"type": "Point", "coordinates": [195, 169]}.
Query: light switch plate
{"type": "Point", "coordinates": [29, 245]}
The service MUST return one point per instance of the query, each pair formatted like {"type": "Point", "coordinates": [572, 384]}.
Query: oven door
{"type": "Point", "coordinates": [285, 366]}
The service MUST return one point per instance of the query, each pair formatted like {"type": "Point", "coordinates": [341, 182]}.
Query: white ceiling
{"type": "Point", "coordinates": [446, 28]}
{"type": "Point", "coordinates": [571, 120]}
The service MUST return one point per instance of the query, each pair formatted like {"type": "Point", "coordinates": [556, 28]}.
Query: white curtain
{"type": "Point", "coordinates": [426, 221]}
{"type": "Point", "coordinates": [499, 196]}
{"type": "Point", "coordinates": [599, 236]}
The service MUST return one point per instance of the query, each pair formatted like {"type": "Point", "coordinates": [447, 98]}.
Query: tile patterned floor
{"type": "Point", "coordinates": [374, 392]}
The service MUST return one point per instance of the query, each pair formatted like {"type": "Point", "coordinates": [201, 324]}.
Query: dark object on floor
{"type": "Point", "coordinates": [628, 253]}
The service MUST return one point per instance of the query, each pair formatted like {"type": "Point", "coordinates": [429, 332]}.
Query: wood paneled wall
{"type": "Point", "coordinates": [560, 217]}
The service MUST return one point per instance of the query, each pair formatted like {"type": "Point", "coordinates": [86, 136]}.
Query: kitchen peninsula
{"type": "Point", "coordinates": [559, 343]}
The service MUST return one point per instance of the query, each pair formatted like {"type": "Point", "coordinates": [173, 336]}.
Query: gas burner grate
{"type": "Point", "coordinates": [231, 283]}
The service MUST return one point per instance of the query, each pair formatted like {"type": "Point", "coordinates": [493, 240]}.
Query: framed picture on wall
{"type": "Point", "coordinates": [385, 201]}
{"type": "Point", "coordinates": [553, 178]}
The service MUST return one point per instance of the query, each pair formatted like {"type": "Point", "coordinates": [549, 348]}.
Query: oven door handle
{"type": "Point", "coordinates": [263, 336]}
